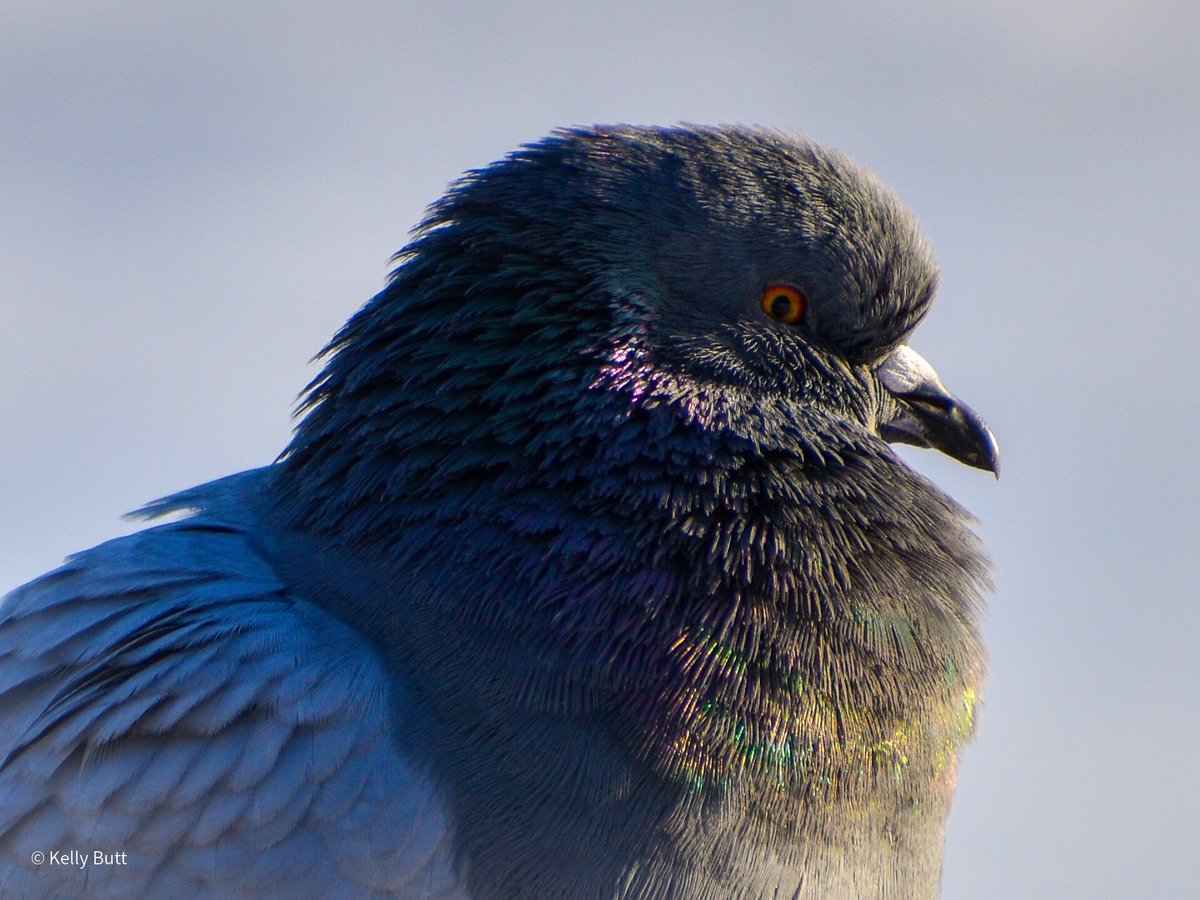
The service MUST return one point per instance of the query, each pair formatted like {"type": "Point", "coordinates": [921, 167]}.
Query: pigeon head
{"type": "Point", "coordinates": [632, 389]}
{"type": "Point", "coordinates": [740, 277]}
{"type": "Point", "coordinates": [754, 254]}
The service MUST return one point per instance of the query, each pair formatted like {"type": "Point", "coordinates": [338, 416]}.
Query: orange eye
{"type": "Point", "coordinates": [784, 302]}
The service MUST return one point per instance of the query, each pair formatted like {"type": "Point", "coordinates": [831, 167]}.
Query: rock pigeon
{"type": "Point", "coordinates": [589, 572]}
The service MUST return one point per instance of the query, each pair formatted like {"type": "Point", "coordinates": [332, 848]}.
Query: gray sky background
{"type": "Point", "coordinates": [195, 196]}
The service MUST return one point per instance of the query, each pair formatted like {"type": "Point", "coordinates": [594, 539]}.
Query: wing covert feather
{"type": "Point", "coordinates": [166, 696]}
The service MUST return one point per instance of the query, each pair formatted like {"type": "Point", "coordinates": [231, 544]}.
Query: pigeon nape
{"type": "Point", "coordinates": [589, 571]}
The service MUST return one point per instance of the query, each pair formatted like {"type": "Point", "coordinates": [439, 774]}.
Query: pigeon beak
{"type": "Point", "coordinates": [928, 415]}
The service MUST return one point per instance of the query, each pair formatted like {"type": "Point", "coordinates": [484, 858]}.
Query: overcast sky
{"type": "Point", "coordinates": [194, 196]}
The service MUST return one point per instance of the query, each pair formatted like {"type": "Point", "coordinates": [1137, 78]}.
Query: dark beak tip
{"type": "Point", "coordinates": [985, 450]}
{"type": "Point", "coordinates": [953, 429]}
{"type": "Point", "coordinates": [990, 464]}
{"type": "Point", "coordinates": [990, 447]}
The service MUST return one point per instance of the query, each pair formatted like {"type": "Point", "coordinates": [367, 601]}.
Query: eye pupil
{"type": "Point", "coordinates": [781, 306]}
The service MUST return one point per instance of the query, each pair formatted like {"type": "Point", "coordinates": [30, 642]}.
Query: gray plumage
{"type": "Point", "coordinates": [589, 571]}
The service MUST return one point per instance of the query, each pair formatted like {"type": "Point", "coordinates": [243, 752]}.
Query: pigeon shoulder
{"type": "Point", "coordinates": [166, 696]}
